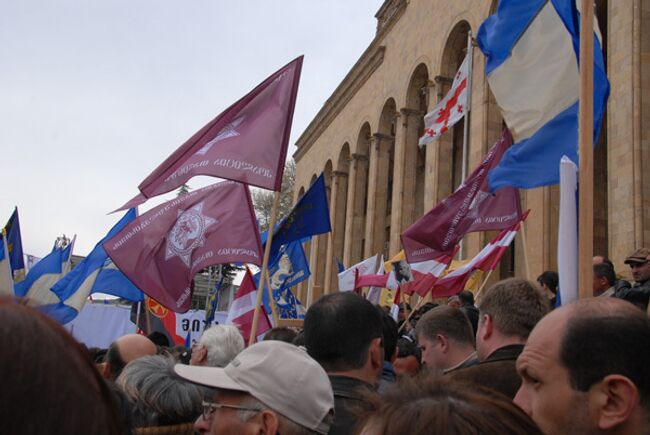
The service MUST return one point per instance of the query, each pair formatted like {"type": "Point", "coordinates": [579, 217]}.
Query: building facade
{"type": "Point", "coordinates": [365, 140]}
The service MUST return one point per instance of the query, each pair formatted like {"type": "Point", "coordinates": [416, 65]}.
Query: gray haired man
{"type": "Point", "coordinates": [271, 387]}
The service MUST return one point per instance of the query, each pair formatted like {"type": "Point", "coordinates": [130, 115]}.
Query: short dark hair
{"type": "Point", "coordinates": [114, 360]}
{"type": "Point", "coordinates": [407, 347]}
{"type": "Point", "coordinates": [281, 333]}
{"type": "Point", "coordinates": [604, 270]}
{"type": "Point", "coordinates": [604, 337]}
{"type": "Point", "coordinates": [466, 297]}
{"type": "Point", "coordinates": [389, 332]}
{"type": "Point", "coordinates": [550, 278]}
{"type": "Point", "coordinates": [515, 305]}
{"type": "Point", "coordinates": [338, 330]}
{"type": "Point", "coordinates": [448, 321]}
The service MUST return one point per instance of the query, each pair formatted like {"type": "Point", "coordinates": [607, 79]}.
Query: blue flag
{"type": "Point", "coordinates": [15, 245]}
{"type": "Point", "coordinates": [213, 302]}
{"type": "Point", "coordinates": [310, 216]}
{"type": "Point", "coordinates": [535, 81]}
{"type": "Point", "coordinates": [287, 269]}
{"type": "Point", "coordinates": [97, 274]}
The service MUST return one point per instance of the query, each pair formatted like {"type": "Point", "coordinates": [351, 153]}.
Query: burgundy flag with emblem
{"type": "Point", "coordinates": [246, 143]}
{"type": "Point", "coordinates": [162, 250]}
{"type": "Point", "coordinates": [470, 208]}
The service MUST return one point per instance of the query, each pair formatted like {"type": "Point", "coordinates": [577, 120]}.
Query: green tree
{"type": "Point", "coordinates": [263, 199]}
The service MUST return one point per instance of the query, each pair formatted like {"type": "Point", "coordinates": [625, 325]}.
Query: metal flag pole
{"type": "Point", "coordinates": [470, 68]}
{"type": "Point", "coordinates": [265, 262]}
{"type": "Point", "coordinates": [585, 139]}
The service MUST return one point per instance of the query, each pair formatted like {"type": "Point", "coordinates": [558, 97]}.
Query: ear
{"type": "Point", "coordinates": [376, 354]}
{"type": "Point", "coordinates": [615, 399]}
{"type": "Point", "coordinates": [443, 342]}
{"type": "Point", "coordinates": [202, 354]}
{"type": "Point", "coordinates": [269, 423]}
{"type": "Point", "coordinates": [486, 327]}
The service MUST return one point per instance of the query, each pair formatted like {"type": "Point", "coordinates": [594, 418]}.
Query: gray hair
{"type": "Point", "coordinates": [158, 396]}
{"type": "Point", "coordinates": [223, 342]}
{"type": "Point", "coordinates": [288, 427]}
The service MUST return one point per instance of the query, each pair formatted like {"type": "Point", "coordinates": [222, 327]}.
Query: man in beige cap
{"type": "Point", "coordinates": [271, 387]}
{"type": "Point", "coordinates": [639, 293]}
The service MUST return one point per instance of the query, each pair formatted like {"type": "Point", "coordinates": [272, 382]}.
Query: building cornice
{"type": "Point", "coordinates": [370, 60]}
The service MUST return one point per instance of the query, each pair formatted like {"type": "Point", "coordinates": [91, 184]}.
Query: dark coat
{"type": "Point", "coordinates": [498, 371]}
{"type": "Point", "coordinates": [348, 398]}
{"type": "Point", "coordinates": [472, 314]}
{"type": "Point", "coordinates": [637, 294]}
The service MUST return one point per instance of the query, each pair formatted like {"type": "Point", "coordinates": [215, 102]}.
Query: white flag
{"type": "Point", "coordinates": [366, 267]}
{"type": "Point", "coordinates": [450, 109]}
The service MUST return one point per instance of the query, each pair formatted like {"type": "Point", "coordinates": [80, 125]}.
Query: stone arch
{"type": "Point", "coordinates": [417, 101]}
{"type": "Point", "coordinates": [380, 181]}
{"type": "Point", "coordinates": [451, 143]}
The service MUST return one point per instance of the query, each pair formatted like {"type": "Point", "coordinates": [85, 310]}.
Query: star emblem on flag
{"type": "Point", "coordinates": [188, 233]}
{"type": "Point", "coordinates": [226, 132]}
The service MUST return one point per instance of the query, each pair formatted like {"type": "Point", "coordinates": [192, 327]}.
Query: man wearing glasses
{"type": "Point", "coordinates": [270, 388]}
{"type": "Point", "coordinates": [639, 293]}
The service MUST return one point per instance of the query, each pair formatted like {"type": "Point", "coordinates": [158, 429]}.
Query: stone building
{"type": "Point", "coordinates": [365, 140]}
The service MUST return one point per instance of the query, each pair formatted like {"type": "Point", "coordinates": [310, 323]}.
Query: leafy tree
{"type": "Point", "coordinates": [263, 199]}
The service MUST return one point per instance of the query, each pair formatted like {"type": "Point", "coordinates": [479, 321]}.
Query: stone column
{"type": "Point", "coordinates": [377, 194]}
{"type": "Point", "coordinates": [355, 210]}
{"type": "Point", "coordinates": [404, 177]}
{"type": "Point", "coordinates": [313, 267]}
{"type": "Point", "coordinates": [337, 220]}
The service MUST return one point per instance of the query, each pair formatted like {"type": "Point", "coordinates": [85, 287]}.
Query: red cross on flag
{"type": "Point", "coordinates": [450, 109]}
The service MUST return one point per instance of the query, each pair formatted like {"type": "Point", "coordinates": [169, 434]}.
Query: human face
{"type": "Point", "coordinates": [432, 355]}
{"type": "Point", "coordinates": [224, 420]}
{"type": "Point", "coordinates": [640, 271]}
{"type": "Point", "coordinates": [406, 366]}
{"type": "Point", "coordinates": [545, 393]}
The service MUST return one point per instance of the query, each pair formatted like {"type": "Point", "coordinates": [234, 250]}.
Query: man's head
{"type": "Point", "coordinates": [639, 264]}
{"type": "Point", "coordinates": [445, 338]}
{"type": "Point", "coordinates": [409, 358]}
{"type": "Point", "coordinates": [217, 347]}
{"type": "Point", "coordinates": [508, 311]}
{"type": "Point", "coordinates": [343, 332]}
{"type": "Point", "coordinates": [548, 282]}
{"type": "Point", "coordinates": [466, 297]}
{"type": "Point", "coordinates": [271, 387]}
{"type": "Point", "coordinates": [124, 350]}
{"type": "Point", "coordinates": [598, 259]}
{"type": "Point", "coordinates": [604, 278]}
{"type": "Point", "coordinates": [453, 301]}
{"type": "Point", "coordinates": [586, 369]}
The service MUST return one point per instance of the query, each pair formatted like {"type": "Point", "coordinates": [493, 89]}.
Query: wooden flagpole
{"type": "Point", "coordinates": [265, 263]}
{"type": "Point", "coordinates": [147, 314]}
{"type": "Point", "coordinates": [586, 143]}
{"type": "Point", "coordinates": [524, 243]}
{"type": "Point", "coordinates": [274, 309]}
{"type": "Point", "coordinates": [480, 289]}
{"type": "Point", "coordinates": [417, 307]}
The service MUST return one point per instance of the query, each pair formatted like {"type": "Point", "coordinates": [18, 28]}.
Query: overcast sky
{"type": "Point", "coordinates": [95, 94]}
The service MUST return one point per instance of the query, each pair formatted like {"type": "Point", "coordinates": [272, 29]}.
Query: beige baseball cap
{"type": "Point", "coordinates": [280, 375]}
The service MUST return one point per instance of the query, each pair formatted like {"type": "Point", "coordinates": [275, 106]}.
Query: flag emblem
{"type": "Point", "coordinates": [188, 233]}
{"type": "Point", "coordinates": [226, 132]}
{"type": "Point", "coordinates": [156, 309]}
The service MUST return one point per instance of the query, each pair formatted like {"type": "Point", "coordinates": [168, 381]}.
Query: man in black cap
{"type": "Point", "coordinates": [639, 293]}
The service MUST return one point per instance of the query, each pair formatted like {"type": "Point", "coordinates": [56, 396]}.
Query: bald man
{"type": "Point", "coordinates": [586, 369]}
{"type": "Point", "coordinates": [124, 350]}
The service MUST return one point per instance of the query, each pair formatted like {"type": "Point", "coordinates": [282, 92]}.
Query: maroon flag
{"type": "Point", "coordinates": [470, 208]}
{"type": "Point", "coordinates": [162, 250]}
{"type": "Point", "coordinates": [246, 143]}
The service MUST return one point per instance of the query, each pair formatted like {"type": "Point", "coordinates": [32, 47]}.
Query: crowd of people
{"type": "Point", "coordinates": [509, 362]}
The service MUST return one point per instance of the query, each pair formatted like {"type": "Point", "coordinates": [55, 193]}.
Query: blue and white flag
{"type": "Point", "coordinates": [97, 274]}
{"type": "Point", "coordinates": [6, 278]}
{"type": "Point", "coordinates": [15, 246]}
{"type": "Point", "coordinates": [532, 50]}
{"type": "Point", "coordinates": [36, 287]}
{"type": "Point", "coordinates": [288, 268]}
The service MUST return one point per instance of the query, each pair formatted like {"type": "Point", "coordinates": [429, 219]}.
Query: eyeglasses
{"type": "Point", "coordinates": [210, 407]}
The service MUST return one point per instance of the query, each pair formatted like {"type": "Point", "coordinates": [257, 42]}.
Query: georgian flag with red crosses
{"type": "Point", "coordinates": [450, 109]}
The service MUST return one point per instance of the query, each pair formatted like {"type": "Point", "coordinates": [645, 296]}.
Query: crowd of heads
{"type": "Point", "coordinates": [504, 360]}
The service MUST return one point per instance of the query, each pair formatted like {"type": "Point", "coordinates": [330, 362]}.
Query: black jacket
{"type": "Point", "coordinates": [472, 314]}
{"type": "Point", "coordinates": [348, 397]}
{"type": "Point", "coordinates": [637, 294]}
